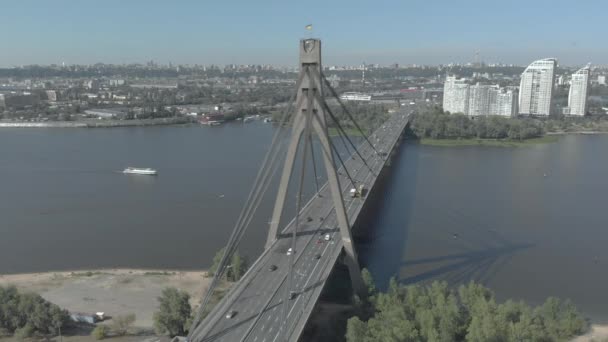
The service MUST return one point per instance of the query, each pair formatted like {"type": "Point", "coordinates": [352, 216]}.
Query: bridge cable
{"type": "Point", "coordinates": [314, 166]}
{"type": "Point", "coordinates": [335, 94]}
{"type": "Point", "coordinates": [333, 147]}
{"type": "Point", "coordinates": [233, 243]}
{"type": "Point", "coordinates": [341, 130]}
{"type": "Point", "coordinates": [344, 135]}
{"type": "Point", "coordinates": [246, 213]}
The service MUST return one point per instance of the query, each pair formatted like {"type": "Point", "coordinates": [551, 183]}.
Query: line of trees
{"type": "Point", "coordinates": [437, 124]}
{"type": "Point", "coordinates": [236, 269]}
{"type": "Point", "coordinates": [470, 313]}
{"type": "Point", "coordinates": [175, 313]}
{"type": "Point", "coordinates": [26, 314]}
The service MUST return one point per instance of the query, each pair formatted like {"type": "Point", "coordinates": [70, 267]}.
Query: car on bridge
{"type": "Point", "coordinates": [230, 314]}
{"type": "Point", "coordinates": [272, 268]}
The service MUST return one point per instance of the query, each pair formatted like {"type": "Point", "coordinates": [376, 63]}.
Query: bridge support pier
{"type": "Point", "coordinates": [310, 117]}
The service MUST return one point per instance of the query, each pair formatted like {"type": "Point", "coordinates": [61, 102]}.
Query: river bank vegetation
{"type": "Point", "coordinates": [435, 127]}
{"type": "Point", "coordinates": [28, 314]}
{"type": "Point", "coordinates": [470, 313]}
{"type": "Point", "coordinates": [436, 124]}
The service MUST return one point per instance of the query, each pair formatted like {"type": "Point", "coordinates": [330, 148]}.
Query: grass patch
{"type": "Point", "coordinates": [489, 142]}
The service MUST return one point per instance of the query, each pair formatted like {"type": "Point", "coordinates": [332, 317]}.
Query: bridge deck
{"type": "Point", "coordinates": [258, 297]}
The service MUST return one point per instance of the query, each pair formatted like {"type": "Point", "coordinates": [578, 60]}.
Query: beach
{"type": "Point", "coordinates": [113, 291]}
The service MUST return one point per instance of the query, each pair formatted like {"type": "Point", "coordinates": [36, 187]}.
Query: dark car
{"type": "Point", "coordinates": [292, 295]}
{"type": "Point", "coordinates": [272, 268]}
{"type": "Point", "coordinates": [318, 256]}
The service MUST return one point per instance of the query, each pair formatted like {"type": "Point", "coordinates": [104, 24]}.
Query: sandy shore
{"type": "Point", "coordinates": [597, 333]}
{"type": "Point", "coordinates": [113, 291]}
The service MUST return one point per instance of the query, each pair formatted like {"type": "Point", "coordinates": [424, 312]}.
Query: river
{"type": "Point", "coordinates": [528, 222]}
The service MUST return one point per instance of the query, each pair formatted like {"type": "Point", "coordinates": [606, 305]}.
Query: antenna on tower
{"type": "Point", "coordinates": [476, 62]}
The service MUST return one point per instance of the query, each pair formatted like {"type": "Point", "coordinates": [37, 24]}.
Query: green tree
{"type": "Point", "coordinates": [100, 332]}
{"type": "Point", "coordinates": [236, 269]}
{"type": "Point", "coordinates": [173, 313]}
{"type": "Point", "coordinates": [122, 324]}
{"type": "Point", "coordinates": [217, 258]}
{"type": "Point", "coordinates": [356, 330]}
{"type": "Point", "coordinates": [438, 313]}
{"type": "Point", "coordinates": [20, 309]}
{"type": "Point", "coordinates": [24, 332]}
{"type": "Point", "coordinates": [368, 280]}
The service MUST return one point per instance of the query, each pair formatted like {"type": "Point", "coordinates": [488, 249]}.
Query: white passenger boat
{"type": "Point", "coordinates": [140, 171]}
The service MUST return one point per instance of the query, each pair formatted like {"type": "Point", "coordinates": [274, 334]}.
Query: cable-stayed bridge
{"type": "Point", "coordinates": [274, 299]}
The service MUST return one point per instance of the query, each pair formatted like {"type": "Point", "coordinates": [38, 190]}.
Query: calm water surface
{"type": "Point", "coordinates": [528, 222]}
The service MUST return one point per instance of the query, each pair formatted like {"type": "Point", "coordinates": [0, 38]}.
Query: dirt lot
{"type": "Point", "coordinates": [113, 291]}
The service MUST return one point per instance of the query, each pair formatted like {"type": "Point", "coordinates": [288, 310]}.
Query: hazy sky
{"type": "Point", "coordinates": [267, 31]}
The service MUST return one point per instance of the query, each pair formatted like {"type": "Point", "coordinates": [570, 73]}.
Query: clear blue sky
{"type": "Point", "coordinates": [267, 31]}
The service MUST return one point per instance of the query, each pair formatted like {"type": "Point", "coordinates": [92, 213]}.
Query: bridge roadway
{"type": "Point", "coordinates": [258, 297]}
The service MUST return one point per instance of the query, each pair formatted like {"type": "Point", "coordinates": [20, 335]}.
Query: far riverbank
{"type": "Point", "coordinates": [489, 142]}
{"type": "Point", "coordinates": [96, 123]}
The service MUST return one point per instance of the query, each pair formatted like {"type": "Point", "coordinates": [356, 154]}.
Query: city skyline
{"type": "Point", "coordinates": [217, 33]}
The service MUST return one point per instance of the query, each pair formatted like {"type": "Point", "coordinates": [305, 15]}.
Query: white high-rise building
{"type": "Point", "coordinates": [455, 95]}
{"type": "Point", "coordinates": [479, 101]}
{"type": "Point", "coordinates": [503, 102]}
{"type": "Point", "coordinates": [536, 87]}
{"type": "Point", "coordinates": [577, 97]}
{"type": "Point", "coordinates": [601, 79]}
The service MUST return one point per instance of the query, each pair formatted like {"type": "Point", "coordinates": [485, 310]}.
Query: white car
{"type": "Point", "coordinates": [289, 251]}
{"type": "Point", "coordinates": [327, 237]}
{"type": "Point", "coordinates": [230, 314]}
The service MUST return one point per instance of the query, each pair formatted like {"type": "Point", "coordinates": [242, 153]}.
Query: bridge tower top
{"type": "Point", "coordinates": [310, 52]}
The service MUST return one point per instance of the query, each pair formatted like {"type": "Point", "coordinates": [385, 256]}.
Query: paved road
{"type": "Point", "coordinates": [259, 297]}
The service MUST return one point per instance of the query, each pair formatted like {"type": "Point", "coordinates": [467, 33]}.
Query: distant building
{"type": "Point", "coordinates": [579, 87]}
{"type": "Point", "coordinates": [351, 96]}
{"type": "Point", "coordinates": [502, 102]}
{"type": "Point", "coordinates": [601, 79]}
{"type": "Point", "coordinates": [22, 100]}
{"type": "Point", "coordinates": [105, 113]}
{"type": "Point", "coordinates": [479, 100]}
{"type": "Point", "coordinates": [155, 85]}
{"type": "Point", "coordinates": [2, 103]}
{"type": "Point", "coordinates": [455, 95]}
{"type": "Point", "coordinates": [91, 84]}
{"type": "Point", "coordinates": [115, 83]}
{"type": "Point", "coordinates": [212, 119]}
{"type": "Point", "coordinates": [536, 87]}
{"type": "Point", "coordinates": [51, 95]}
